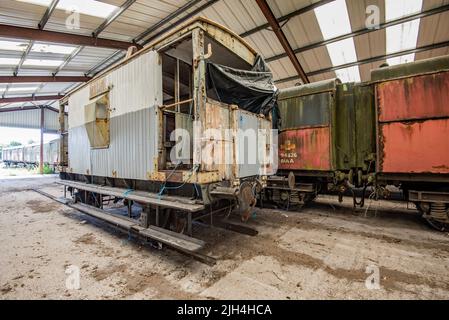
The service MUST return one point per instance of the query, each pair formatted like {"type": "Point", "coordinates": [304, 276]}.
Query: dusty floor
{"type": "Point", "coordinates": [324, 252]}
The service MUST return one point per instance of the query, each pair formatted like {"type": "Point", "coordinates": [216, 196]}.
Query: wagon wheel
{"type": "Point", "coordinates": [440, 226]}
{"type": "Point", "coordinates": [247, 200]}
{"type": "Point", "coordinates": [284, 204]}
{"type": "Point", "coordinates": [437, 225]}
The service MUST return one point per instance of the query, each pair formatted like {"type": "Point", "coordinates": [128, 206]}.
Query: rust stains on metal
{"type": "Point", "coordinates": [413, 124]}
{"type": "Point", "coordinates": [419, 147]}
{"type": "Point", "coordinates": [305, 149]}
{"type": "Point", "coordinates": [414, 98]}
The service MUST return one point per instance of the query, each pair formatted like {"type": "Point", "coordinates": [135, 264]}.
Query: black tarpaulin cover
{"type": "Point", "coordinates": [252, 90]}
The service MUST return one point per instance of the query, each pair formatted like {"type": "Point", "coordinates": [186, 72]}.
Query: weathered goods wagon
{"type": "Point", "coordinates": [412, 107]}
{"type": "Point", "coordinates": [326, 140]}
{"type": "Point", "coordinates": [174, 120]}
{"type": "Point", "coordinates": [348, 137]}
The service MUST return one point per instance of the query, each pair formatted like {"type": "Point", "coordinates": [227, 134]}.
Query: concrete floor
{"type": "Point", "coordinates": [326, 251]}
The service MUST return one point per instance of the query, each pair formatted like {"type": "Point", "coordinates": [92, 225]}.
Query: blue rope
{"type": "Point", "coordinates": [164, 186]}
{"type": "Point", "coordinates": [127, 192]}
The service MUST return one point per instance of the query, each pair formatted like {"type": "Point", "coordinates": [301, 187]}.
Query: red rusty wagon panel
{"type": "Point", "coordinates": [420, 97]}
{"type": "Point", "coordinates": [305, 149]}
{"type": "Point", "coordinates": [413, 117]}
{"type": "Point", "coordinates": [418, 147]}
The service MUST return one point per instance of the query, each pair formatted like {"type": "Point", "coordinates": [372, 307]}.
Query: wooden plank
{"type": "Point", "coordinates": [172, 239]}
{"type": "Point", "coordinates": [102, 215]}
{"type": "Point", "coordinates": [142, 197]}
{"type": "Point", "coordinates": [167, 237]}
{"type": "Point", "coordinates": [140, 193]}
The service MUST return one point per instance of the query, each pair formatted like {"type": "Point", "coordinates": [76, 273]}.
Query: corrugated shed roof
{"type": "Point", "coordinates": [238, 15]}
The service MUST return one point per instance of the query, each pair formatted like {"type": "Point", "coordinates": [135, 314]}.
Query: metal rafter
{"type": "Point", "coordinates": [68, 59]}
{"type": "Point", "coordinates": [370, 60]}
{"type": "Point", "coordinates": [47, 14]}
{"type": "Point", "coordinates": [263, 5]}
{"type": "Point", "coordinates": [286, 17]}
{"type": "Point", "coordinates": [181, 20]}
{"type": "Point", "coordinates": [117, 55]}
{"type": "Point", "coordinates": [6, 91]}
{"type": "Point", "coordinates": [97, 32]}
{"type": "Point", "coordinates": [112, 17]}
{"type": "Point", "coordinates": [26, 79]}
{"type": "Point", "coordinates": [23, 58]}
{"type": "Point", "coordinates": [30, 98]}
{"type": "Point", "coordinates": [363, 31]}
{"type": "Point", "coordinates": [9, 31]}
{"type": "Point", "coordinates": [105, 63]}
{"type": "Point", "coordinates": [12, 109]}
{"type": "Point", "coordinates": [33, 107]}
{"type": "Point", "coordinates": [41, 26]}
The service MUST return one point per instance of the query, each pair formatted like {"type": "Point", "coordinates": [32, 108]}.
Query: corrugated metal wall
{"type": "Point", "coordinates": [136, 90]}
{"type": "Point", "coordinates": [30, 119]}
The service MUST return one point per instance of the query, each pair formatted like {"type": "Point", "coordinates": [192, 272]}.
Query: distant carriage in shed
{"type": "Point", "coordinates": [125, 134]}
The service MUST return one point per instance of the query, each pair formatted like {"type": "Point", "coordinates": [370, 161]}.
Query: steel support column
{"type": "Point", "coordinates": [41, 157]}
{"type": "Point", "coordinates": [62, 133]}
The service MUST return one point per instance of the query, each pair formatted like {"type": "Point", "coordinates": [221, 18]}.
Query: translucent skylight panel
{"type": "Point", "coordinates": [43, 63]}
{"type": "Point", "coordinates": [401, 59]}
{"type": "Point", "coordinates": [13, 45]}
{"type": "Point", "coordinates": [50, 48]}
{"type": "Point", "coordinates": [351, 74]}
{"type": "Point", "coordinates": [333, 19]}
{"type": "Point", "coordinates": [402, 37]}
{"type": "Point", "coordinates": [9, 61]}
{"type": "Point", "coordinates": [395, 9]}
{"type": "Point", "coordinates": [44, 3]}
{"type": "Point", "coordinates": [88, 7]}
{"type": "Point", "coordinates": [342, 52]}
{"type": "Point", "coordinates": [23, 89]}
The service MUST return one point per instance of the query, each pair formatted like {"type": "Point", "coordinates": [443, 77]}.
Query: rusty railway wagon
{"type": "Point", "coordinates": [123, 141]}
{"type": "Point", "coordinates": [326, 141]}
{"type": "Point", "coordinates": [354, 137]}
{"type": "Point", "coordinates": [29, 156]}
